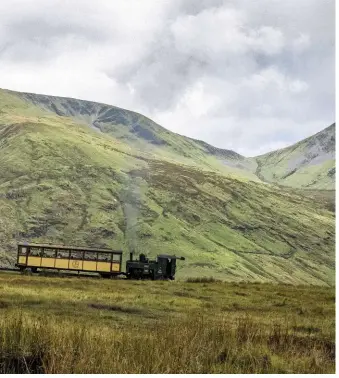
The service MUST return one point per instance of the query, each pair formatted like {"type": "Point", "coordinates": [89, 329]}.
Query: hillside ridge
{"type": "Point", "coordinates": [103, 115]}
{"type": "Point", "coordinates": [309, 163]}
{"type": "Point", "coordinates": [30, 96]}
{"type": "Point", "coordinates": [309, 169]}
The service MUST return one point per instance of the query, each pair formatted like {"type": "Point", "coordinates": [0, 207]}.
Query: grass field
{"type": "Point", "coordinates": [89, 325]}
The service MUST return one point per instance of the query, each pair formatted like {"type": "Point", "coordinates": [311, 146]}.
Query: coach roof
{"type": "Point", "coordinates": [56, 246]}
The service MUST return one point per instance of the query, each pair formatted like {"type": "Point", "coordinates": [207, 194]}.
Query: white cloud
{"type": "Point", "coordinates": [271, 79]}
{"type": "Point", "coordinates": [238, 74]}
{"type": "Point", "coordinates": [197, 102]}
{"type": "Point", "coordinates": [301, 43]}
{"type": "Point", "coordinates": [267, 40]}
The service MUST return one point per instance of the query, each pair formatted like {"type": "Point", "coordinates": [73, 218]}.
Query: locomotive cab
{"type": "Point", "coordinates": [167, 266]}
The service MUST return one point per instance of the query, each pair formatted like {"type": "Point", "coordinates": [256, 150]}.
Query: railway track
{"type": "Point", "coordinates": [9, 269]}
{"type": "Point", "coordinates": [52, 274]}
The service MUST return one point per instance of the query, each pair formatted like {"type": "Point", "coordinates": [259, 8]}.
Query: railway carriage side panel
{"type": "Point", "coordinates": [103, 266]}
{"type": "Point", "coordinates": [47, 262]}
{"type": "Point", "coordinates": [75, 264]}
{"type": "Point", "coordinates": [69, 258]}
{"type": "Point", "coordinates": [116, 267]}
{"type": "Point", "coordinates": [61, 264]}
{"type": "Point", "coordinates": [22, 260]}
{"type": "Point", "coordinates": [90, 266]}
{"type": "Point", "coordinates": [34, 261]}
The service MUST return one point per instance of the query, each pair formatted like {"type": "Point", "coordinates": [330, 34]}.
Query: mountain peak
{"type": "Point", "coordinates": [309, 163]}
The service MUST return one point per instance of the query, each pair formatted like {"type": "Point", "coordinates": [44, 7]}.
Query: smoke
{"type": "Point", "coordinates": [131, 218]}
{"type": "Point", "coordinates": [131, 207]}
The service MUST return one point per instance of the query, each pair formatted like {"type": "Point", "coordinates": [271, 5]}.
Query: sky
{"type": "Point", "coordinates": [251, 76]}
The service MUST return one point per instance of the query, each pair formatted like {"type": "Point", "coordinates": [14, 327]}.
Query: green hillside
{"type": "Point", "coordinates": [142, 135]}
{"type": "Point", "coordinates": [129, 183]}
{"type": "Point", "coordinates": [307, 164]}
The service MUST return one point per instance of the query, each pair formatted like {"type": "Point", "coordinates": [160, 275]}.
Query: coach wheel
{"type": "Point", "coordinates": [34, 270]}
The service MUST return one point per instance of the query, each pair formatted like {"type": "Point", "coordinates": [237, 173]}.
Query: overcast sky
{"type": "Point", "coordinates": [247, 75]}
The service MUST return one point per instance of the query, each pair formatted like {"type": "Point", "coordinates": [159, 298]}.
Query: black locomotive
{"type": "Point", "coordinates": [162, 268]}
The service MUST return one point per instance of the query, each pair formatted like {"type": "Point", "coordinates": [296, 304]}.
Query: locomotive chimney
{"type": "Point", "coordinates": [131, 256]}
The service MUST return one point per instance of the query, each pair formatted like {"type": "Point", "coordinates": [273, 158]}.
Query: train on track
{"type": "Point", "coordinates": [105, 262]}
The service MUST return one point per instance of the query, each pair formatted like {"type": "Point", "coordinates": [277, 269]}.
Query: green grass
{"type": "Point", "coordinates": [87, 325]}
{"type": "Point", "coordinates": [63, 182]}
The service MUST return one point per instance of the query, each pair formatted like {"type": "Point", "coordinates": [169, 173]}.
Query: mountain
{"type": "Point", "coordinates": [307, 164]}
{"type": "Point", "coordinates": [144, 135]}
{"type": "Point", "coordinates": [82, 173]}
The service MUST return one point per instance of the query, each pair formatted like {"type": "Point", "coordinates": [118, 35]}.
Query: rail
{"type": "Point", "coordinates": [9, 269]}
{"type": "Point", "coordinates": [59, 274]}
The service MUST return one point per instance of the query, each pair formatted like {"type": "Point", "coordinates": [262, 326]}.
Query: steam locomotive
{"type": "Point", "coordinates": [163, 267]}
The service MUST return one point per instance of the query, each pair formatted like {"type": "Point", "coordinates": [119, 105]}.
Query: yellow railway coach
{"type": "Point", "coordinates": [106, 262]}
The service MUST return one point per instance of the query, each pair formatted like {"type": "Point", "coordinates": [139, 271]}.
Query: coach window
{"type": "Point", "coordinates": [49, 252]}
{"type": "Point", "coordinates": [77, 255]}
{"type": "Point", "coordinates": [116, 257]}
{"type": "Point", "coordinates": [91, 256]}
{"type": "Point", "coordinates": [63, 254]}
{"type": "Point", "coordinates": [35, 251]}
{"type": "Point", "coordinates": [104, 257]}
{"type": "Point", "coordinates": [23, 251]}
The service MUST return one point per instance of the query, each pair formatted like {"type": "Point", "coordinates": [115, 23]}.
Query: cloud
{"type": "Point", "coordinates": [249, 76]}
{"type": "Point", "coordinates": [301, 43]}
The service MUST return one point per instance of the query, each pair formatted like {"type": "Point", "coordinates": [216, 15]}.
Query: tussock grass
{"type": "Point", "coordinates": [192, 345]}
{"type": "Point", "coordinates": [82, 325]}
{"type": "Point", "coordinates": [102, 306]}
{"type": "Point", "coordinates": [202, 280]}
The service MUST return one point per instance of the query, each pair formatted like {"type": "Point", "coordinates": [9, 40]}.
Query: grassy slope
{"type": "Point", "coordinates": [80, 325]}
{"type": "Point", "coordinates": [64, 182]}
{"type": "Point", "coordinates": [307, 164]}
{"type": "Point", "coordinates": [143, 135]}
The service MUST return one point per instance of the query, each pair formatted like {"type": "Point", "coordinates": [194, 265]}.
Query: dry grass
{"type": "Point", "coordinates": [163, 327]}
{"type": "Point", "coordinates": [202, 280]}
